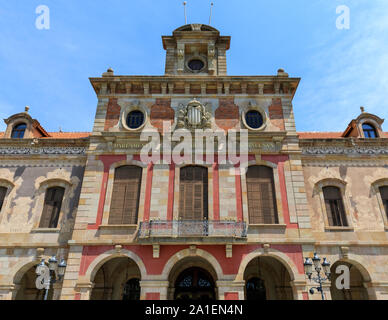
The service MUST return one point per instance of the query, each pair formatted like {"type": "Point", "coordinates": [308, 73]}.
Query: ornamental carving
{"type": "Point", "coordinates": [39, 151]}
{"type": "Point", "coordinates": [346, 151]}
{"type": "Point", "coordinates": [194, 116]}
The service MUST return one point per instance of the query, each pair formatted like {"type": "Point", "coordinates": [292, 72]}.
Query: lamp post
{"type": "Point", "coordinates": [48, 275]}
{"type": "Point", "coordinates": [318, 266]}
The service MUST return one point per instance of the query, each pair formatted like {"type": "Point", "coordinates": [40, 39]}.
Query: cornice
{"type": "Point", "coordinates": [39, 163]}
{"type": "Point", "coordinates": [171, 85]}
{"type": "Point", "coordinates": [343, 162]}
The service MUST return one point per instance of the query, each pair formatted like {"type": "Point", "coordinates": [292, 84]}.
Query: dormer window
{"type": "Point", "coordinates": [19, 131]}
{"type": "Point", "coordinates": [369, 131]}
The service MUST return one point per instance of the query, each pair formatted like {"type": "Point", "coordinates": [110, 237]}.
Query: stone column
{"type": "Point", "coordinates": [299, 289]}
{"type": "Point", "coordinates": [8, 291]}
{"type": "Point", "coordinates": [84, 290]}
{"type": "Point", "coordinates": [153, 289]}
{"type": "Point", "coordinates": [377, 290]}
{"type": "Point", "coordinates": [231, 290]}
{"type": "Point", "coordinates": [317, 295]}
{"type": "Point", "coordinates": [72, 273]}
{"type": "Point", "coordinates": [57, 290]}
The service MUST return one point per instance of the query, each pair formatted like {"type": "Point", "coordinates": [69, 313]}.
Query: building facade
{"type": "Point", "coordinates": [196, 229]}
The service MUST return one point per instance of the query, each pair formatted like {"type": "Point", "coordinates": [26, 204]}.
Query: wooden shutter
{"type": "Point", "coordinates": [262, 208]}
{"type": "Point", "coordinates": [126, 193]}
{"type": "Point", "coordinates": [193, 193]}
{"type": "Point", "coordinates": [3, 193]}
{"type": "Point", "coordinates": [52, 207]}
{"type": "Point", "coordinates": [334, 207]}
{"type": "Point", "coordinates": [384, 197]}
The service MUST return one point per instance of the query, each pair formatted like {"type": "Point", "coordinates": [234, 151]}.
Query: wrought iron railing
{"type": "Point", "coordinates": [192, 228]}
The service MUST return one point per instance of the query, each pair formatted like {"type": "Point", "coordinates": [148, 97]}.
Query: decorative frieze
{"type": "Point", "coordinates": [345, 151]}
{"type": "Point", "coordinates": [42, 151]}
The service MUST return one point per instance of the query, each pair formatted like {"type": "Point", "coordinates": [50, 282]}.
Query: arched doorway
{"type": "Point", "coordinates": [132, 290]}
{"type": "Point", "coordinates": [267, 279]}
{"type": "Point", "coordinates": [356, 291]}
{"type": "Point", "coordinates": [27, 288]}
{"type": "Point", "coordinates": [192, 278]}
{"type": "Point", "coordinates": [117, 279]}
{"type": "Point", "coordinates": [256, 290]}
{"type": "Point", "coordinates": [194, 284]}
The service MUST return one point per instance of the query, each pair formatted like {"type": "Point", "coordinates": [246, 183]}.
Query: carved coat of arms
{"type": "Point", "coordinates": [194, 116]}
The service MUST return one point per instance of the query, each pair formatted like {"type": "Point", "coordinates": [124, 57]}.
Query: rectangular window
{"type": "Point", "coordinates": [193, 193]}
{"type": "Point", "coordinates": [3, 193]}
{"type": "Point", "coordinates": [126, 194]}
{"type": "Point", "coordinates": [384, 197]}
{"type": "Point", "coordinates": [262, 207]}
{"type": "Point", "coordinates": [52, 207]}
{"type": "Point", "coordinates": [335, 207]}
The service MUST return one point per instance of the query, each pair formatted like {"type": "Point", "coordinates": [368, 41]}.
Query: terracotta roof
{"type": "Point", "coordinates": [63, 135]}
{"type": "Point", "coordinates": [69, 135]}
{"type": "Point", "coordinates": [326, 135]}
{"type": "Point", "coordinates": [319, 135]}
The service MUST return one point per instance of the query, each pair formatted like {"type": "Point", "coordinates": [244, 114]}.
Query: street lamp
{"type": "Point", "coordinates": [318, 266]}
{"type": "Point", "coordinates": [48, 275]}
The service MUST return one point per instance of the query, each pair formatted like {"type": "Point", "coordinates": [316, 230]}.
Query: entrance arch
{"type": "Point", "coordinates": [195, 284]}
{"type": "Point", "coordinates": [192, 278]}
{"type": "Point", "coordinates": [267, 279]}
{"type": "Point", "coordinates": [27, 288]}
{"type": "Point", "coordinates": [357, 291]}
{"type": "Point", "coordinates": [117, 279]}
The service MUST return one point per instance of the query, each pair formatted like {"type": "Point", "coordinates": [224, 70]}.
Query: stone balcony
{"type": "Point", "coordinates": [192, 228]}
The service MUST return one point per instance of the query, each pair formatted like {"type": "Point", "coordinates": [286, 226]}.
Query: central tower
{"type": "Point", "coordinates": [196, 49]}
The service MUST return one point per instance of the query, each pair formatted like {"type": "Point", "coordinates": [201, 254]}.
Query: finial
{"type": "Point", "coordinates": [184, 4]}
{"type": "Point", "coordinates": [211, 11]}
{"type": "Point", "coordinates": [362, 109]}
{"type": "Point", "coordinates": [60, 129]}
{"type": "Point", "coordinates": [26, 109]}
{"type": "Point", "coordinates": [108, 73]}
{"type": "Point", "coordinates": [282, 73]}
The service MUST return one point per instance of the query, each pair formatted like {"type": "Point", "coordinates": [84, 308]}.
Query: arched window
{"type": "Point", "coordinates": [52, 207]}
{"type": "Point", "coordinates": [19, 131]}
{"type": "Point", "coordinates": [384, 197]}
{"type": "Point", "coordinates": [193, 192]}
{"type": "Point", "coordinates": [3, 193]}
{"type": "Point", "coordinates": [335, 207]}
{"type": "Point", "coordinates": [369, 131]}
{"type": "Point", "coordinates": [262, 207]}
{"type": "Point", "coordinates": [126, 194]}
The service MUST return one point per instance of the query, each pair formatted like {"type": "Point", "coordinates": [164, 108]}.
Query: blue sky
{"type": "Point", "coordinates": [48, 70]}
